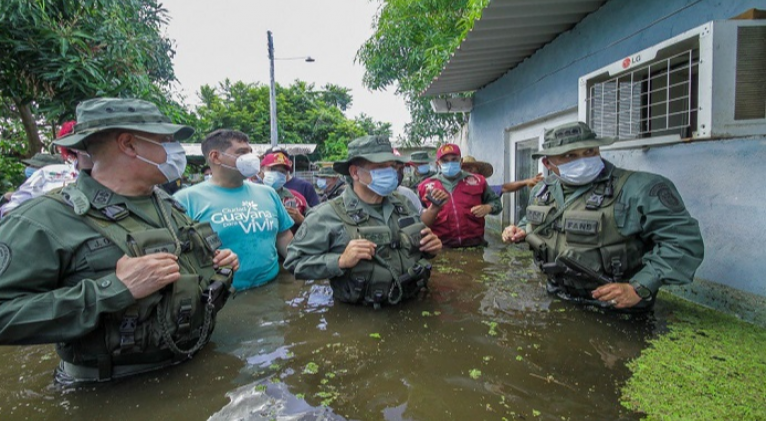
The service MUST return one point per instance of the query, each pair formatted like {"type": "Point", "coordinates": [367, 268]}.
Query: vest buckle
{"type": "Point", "coordinates": [184, 317]}
{"type": "Point", "coordinates": [128, 331]}
{"type": "Point", "coordinates": [594, 201]}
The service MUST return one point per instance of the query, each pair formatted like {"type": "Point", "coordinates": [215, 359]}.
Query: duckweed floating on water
{"type": "Point", "coordinates": [311, 368]}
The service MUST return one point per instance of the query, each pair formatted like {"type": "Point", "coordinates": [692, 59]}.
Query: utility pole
{"type": "Point", "coordinates": [272, 93]}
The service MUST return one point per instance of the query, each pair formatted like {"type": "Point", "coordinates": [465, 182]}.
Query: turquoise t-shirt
{"type": "Point", "coordinates": [248, 219]}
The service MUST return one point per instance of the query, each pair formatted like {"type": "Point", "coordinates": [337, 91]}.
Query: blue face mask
{"type": "Point", "coordinates": [450, 169]}
{"type": "Point", "coordinates": [424, 169]}
{"type": "Point", "coordinates": [274, 179]}
{"type": "Point", "coordinates": [322, 183]}
{"type": "Point", "coordinates": [28, 171]}
{"type": "Point", "coordinates": [384, 180]}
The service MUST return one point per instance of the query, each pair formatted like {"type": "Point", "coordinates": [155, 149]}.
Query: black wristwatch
{"type": "Point", "coordinates": [643, 292]}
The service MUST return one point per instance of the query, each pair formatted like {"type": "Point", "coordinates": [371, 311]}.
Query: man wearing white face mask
{"type": "Point", "coordinates": [369, 241]}
{"type": "Point", "coordinates": [603, 235]}
{"type": "Point", "coordinates": [275, 167]}
{"type": "Point", "coordinates": [248, 217]}
{"type": "Point", "coordinates": [105, 267]}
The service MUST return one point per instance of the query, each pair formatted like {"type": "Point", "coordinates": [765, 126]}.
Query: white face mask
{"type": "Point", "coordinates": [248, 164]}
{"type": "Point", "coordinates": [580, 171]}
{"type": "Point", "coordinates": [175, 162]}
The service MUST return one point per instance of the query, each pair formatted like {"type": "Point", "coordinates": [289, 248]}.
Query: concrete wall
{"type": "Point", "coordinates": [714, 177]}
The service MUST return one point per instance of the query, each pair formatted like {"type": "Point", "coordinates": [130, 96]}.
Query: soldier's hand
{"type": "Point", "coordinates": [513, 234]}
{"type": "Point", "coordinates": [430, 243]}
{"type": "Point", "coordinates": [226, 258]}
{"type": "Point", "coordinates": [480, 211]}
{"type": "Point", "coordinates": [618, 294]}
{"type": "Point", "coordinates": [531, 182]}
{"type": "Point", "coordinates": [147, 274]}
{"type": "Point", "coordinates": [296, 215]}
{"type": "Point", "coordinates": [356, 250]}
{"type": "Point", "coordinates": [440, 195]}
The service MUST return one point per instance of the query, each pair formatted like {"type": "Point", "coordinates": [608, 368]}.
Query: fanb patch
{"type": "Point", "coordinates": [581, 226]}
{"type": "Point", "coordinates": [5, 257]}
{"type": "Point", "coordinates": [667, 197]}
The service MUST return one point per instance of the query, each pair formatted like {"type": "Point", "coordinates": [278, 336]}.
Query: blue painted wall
{"type": "Point", "coordinates": [717, 179]}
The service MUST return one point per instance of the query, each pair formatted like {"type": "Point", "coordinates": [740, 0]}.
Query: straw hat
{"type": "Point", "coordinates": [471, 165]}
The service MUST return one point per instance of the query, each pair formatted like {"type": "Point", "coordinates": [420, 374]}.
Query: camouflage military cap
{"type": "Point", "coordinates": [96, 115]}
{"type": "Point", "coordinates": [568, 137]}
{"type": "Point", "coordinates": [420, 157]}
{"type": "Point", "coordinates": [327, 172]}
{"type": "Point", "coordinates": [375, 149]}
{"type": "Point", "coordinates": [42, 159]}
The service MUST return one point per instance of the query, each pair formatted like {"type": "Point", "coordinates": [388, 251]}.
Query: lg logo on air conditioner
{"type": "Point", "coordinates": [631, 61]}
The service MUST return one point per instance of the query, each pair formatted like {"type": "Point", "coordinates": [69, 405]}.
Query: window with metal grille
{"type": "Point", "coordinates": [657, 99]}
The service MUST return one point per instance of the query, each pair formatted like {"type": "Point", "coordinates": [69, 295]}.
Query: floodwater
{"type": "Point", "coordinates": [486, 343]}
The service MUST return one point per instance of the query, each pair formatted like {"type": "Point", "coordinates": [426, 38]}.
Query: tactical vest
{"type": "Point", "coordinates": [398, 269]}
{"type": "Point", "coordinates": [586, 232]}
{"type": "Point", "coordinates": [169, 325]}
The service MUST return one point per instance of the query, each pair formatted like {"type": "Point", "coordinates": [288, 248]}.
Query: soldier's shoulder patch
{"type": "Point", "coordinates": [301, 233]}
{"type": "Point", "coordinates": [5, 257]}
{"type": "Point", "coordinates": [667, 197]}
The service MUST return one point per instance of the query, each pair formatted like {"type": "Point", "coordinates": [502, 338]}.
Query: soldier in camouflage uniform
{"type": "Point", "coordinates": [421, 169]}
{"type": "Point", "coordinates": [369, 241]}
{"type": "Point", "coordinates": [330, 183]}
{"type": "Point", "coordinates": [110, 268]}
{"type": "Point", "coordinates": [605, 235]}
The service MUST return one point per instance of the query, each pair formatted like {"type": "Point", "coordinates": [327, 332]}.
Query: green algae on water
{"type": "Point", "coordinates": [709, 366]}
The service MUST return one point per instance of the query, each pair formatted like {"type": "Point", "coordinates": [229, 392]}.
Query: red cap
{"type": "Point", "coordinates": [276, 158]}
{"type": "Point", "coordinates": [66, 128]}
{"type": "Point", "coordinates": [447, 149]}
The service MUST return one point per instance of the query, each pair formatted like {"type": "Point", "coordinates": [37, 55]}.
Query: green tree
{"type": "Point", "coordinates": [56, 53]}
{"type": "Point", "coordinates": [411, 44]}
{"type": "Point", "coordinates": [304, 114]}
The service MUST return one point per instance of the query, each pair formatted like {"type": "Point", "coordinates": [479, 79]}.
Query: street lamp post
{"type": "Point", "coordinates": [272, 93]}
{"type": "Point", "coordinates": [272, 89]}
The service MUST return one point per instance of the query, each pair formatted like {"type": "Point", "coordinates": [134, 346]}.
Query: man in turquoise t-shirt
{"type": "Point", "coordinates": [249, 218]}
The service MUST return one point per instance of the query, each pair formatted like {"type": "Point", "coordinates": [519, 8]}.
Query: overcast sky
{"type": "Point", "coordinates": [227, 38]}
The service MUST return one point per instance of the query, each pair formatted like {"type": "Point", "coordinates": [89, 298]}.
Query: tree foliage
{"type": "Point", "coordinates": [304, 114]}
{"type": "Point", "coordinates": [411, 44]}
{"type": "Point", "coordinates": [56, 53]}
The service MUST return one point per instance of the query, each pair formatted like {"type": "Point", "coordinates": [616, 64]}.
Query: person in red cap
{"type": "Point", "coordinates": [49, 177]}
{"type": "Point", "coordinates": [275, 167]}
{"type": "Point", "coordinates": [457, 201]}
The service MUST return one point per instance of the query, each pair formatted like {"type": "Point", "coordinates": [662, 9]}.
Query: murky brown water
{"type": "Point", "coordinates": [487, 343]}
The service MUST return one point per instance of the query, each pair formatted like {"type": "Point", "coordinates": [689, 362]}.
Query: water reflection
{"type": "Point", "coordinates": [486, 343]}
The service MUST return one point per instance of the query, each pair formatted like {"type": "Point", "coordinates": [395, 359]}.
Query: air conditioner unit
{"type": "Point", "coordinates": [708, 82]}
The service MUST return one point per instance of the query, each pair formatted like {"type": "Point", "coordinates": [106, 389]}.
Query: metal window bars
{"type": "Point", "coordinates": [657, 99]}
